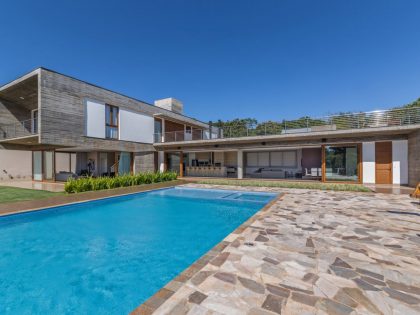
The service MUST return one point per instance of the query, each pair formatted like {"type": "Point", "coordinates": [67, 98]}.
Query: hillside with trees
{"type": "Point", "coordinates": [250, 126]}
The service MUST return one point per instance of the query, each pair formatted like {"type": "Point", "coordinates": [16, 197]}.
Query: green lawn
{"type": "Point", "coordinates": [12, 194]}
{"type": "Point", "coordinates": [284, 184]}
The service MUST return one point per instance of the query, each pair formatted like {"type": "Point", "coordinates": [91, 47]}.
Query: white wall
{"type": "Point", "coordinates": [368, 161]}
{"type": "Point", "coordinates": [400, 162]}
{"type": "Point", "coordinates": [95, 119]}
{"type": "Point", "coordinates": [15, 165]}
{"type": "Point", "coordinates": [136, 127]}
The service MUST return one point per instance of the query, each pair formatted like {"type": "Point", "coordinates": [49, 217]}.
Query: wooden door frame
{"type": "Point", "coordinates": [359, 163]}
{"type": "Point", "coordinates": [392, 162]}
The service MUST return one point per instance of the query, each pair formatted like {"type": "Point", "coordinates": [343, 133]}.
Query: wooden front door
{"type": "Point", "coordinates": [383, 165]}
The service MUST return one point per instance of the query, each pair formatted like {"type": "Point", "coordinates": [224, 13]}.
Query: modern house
{"type": "Point", "coordinates": [70, 127]}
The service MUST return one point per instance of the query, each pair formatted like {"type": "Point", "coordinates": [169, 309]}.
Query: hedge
{"type": "Point", "coordinates": [100, 183]}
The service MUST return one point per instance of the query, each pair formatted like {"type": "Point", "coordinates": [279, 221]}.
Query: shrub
{"type": "Point", "coordinates": [101, 183]}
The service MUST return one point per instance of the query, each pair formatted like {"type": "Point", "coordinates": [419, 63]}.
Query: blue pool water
{"type": "Point", "coordinates": [109, 256]}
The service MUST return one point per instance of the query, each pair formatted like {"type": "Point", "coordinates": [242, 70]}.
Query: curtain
{"type": "Point", "coordinates": [124, 163]}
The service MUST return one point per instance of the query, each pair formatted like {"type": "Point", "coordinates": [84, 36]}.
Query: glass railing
{"type": "Point", "coordinates": [19, 129]}
{"type": "Point", "coordinates": [362, 120]}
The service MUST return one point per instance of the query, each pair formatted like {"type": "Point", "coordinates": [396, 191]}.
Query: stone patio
{"type": "Point", "coordinates": [313, 252]}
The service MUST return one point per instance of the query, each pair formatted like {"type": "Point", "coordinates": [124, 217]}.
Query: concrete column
{"type": "Point", "coordinates": [161, 161]}
{"type": "Point", "coordinates": [414, 158]}
{"type": "Point", "coordinates": [240, 164]}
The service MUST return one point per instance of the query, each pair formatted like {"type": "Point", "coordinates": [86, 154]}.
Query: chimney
{"type": "Point", "coordinates": [171, 104]}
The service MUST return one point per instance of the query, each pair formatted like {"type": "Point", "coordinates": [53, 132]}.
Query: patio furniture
{"type": "Point", "coordinates": [64, 176]}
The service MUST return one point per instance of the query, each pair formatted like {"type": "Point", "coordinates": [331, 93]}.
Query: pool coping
{"type": "Point", "coordinates": [162, 295]}
{"type": "Point", "coordinates": [71, 199]}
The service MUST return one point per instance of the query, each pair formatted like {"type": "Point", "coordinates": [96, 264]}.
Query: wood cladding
{"type": "Point", "coordinates": [383, 165]}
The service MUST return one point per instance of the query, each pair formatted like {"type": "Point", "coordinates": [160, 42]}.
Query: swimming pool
{"type": "Point", "coordinates": [109, 256]}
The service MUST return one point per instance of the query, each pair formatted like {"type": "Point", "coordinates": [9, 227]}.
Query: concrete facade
{"type": "Point", "coordinates": [144, 162]}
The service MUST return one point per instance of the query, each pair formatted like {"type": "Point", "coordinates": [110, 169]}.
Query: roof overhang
{"type": "Point", "coordinates": [310, 138]}
{"type": "Point", "coordinates": [186, 121]}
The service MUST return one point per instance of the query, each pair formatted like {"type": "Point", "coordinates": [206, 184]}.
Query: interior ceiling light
{"type": "Point", "coordinates": [21, 97]}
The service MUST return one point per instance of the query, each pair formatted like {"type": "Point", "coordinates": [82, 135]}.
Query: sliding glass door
{"type": "Point", "coordinates": [37, 165]}
{"type": "Point", "coordinates": [341, 163]}
{"type": "Point", "coordinates": [43, 165]}
{"type": "Point", "coordinates": [49, 172]}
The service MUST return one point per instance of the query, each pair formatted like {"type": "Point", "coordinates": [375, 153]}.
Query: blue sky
{"type": "Point", "coordinates": [225, 59]}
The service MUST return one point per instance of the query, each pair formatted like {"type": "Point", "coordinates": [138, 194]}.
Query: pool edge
{"type": "Point", "coordinates": [149, 306]}
{"type": "Point", "coordinates": [55, 202]}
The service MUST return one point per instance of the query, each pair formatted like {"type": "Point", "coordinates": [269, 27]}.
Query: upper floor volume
{"type": "Point", "coordinates": [48, 109]}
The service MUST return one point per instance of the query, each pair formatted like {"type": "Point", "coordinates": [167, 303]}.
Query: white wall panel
{"type": "Point", "coordinates": [368, 162]}
{"type": "Point", "coordinates": [400, 162]}
{"type": "Point", "coordinates": [136, 127]}
{"type": "Point", "coordinates": [95, 119]}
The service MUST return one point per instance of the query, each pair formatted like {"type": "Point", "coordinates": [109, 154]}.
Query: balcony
{"type": "Point", "coordinates": [194, 134]}
{"type": "Point", "coordinates": [21, 129]}
{"type": "Point", "coordinates": [353, 121]}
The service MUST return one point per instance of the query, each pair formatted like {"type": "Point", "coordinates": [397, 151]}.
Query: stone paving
{"type": "Point", "coordinates": [313, 252]}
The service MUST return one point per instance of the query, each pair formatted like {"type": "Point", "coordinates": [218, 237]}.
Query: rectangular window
{"type": "Point", "coordinates": [289, 158]}
{"type": "Point", "coordinates": [286, 159]}
{"type": "Point", "coordinates": [111, 122]}
{"type": "Point", "coordinates": [263, 159]}
{"type": "Point", "coordinates": [341, 163]}
{"type": "Point", "coordinates": [276, 158]}
{"type": "Point", "coordinates": [252, 159]}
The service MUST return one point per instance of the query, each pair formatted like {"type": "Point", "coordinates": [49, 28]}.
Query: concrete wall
{"type": "Point", "coordinates": [12, 113]}
{"type": "Point", "coordinates": [15, 165]}
{"type": "Point", "coordinates": [144, 162]}
{"type": "Point", "coordinates": [368, 162]}
{"type": "Point", "coordinates": [62, 114]}
{"type": "Point", "coordinates": [414, 158]}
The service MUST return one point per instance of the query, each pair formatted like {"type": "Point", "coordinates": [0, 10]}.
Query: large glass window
{"type": "Point", "coordinates": [37, 165]}
{"type": "Point", "coordinates": [286, 159]}
{"type": "Point", "coordinates": [341, 163]}
{"type": "Point", "coordinates": [158, 130]}
{"type": "Point", "coordinates": [124, 163]}
{"type": "Point", "coordinates": [111, 122]}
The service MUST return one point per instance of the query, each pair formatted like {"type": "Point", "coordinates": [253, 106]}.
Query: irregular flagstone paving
{"type": "Point", "coordinates": [313, 252]}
